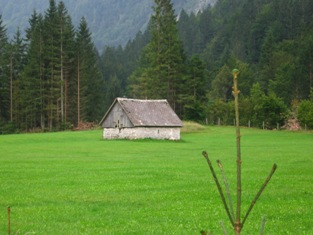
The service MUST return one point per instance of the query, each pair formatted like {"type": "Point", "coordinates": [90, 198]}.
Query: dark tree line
{"type": "Point", "coordinates": [50, 79]}
{"type": "Point", "coordinates": [54, 77]}
{"type": "Point", "coordinates": [270, 42]}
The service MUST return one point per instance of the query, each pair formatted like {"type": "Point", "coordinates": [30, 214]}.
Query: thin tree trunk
{"type": "Point", "coordinates": [62, 80]}
{"type": "Point", "coordinates": [235, 93]}
{"type": "Point", "coordinates": [11, 87]}
{"type": "Point", "coordinates": [42, 118]}
{"type": "Point", "coordinates": [78, 92]}
{"type": "Point", "coordinates": [65, 100]}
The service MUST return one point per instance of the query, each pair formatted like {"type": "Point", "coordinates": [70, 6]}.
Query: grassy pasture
{"type": "Point", "coordinates": [77, 183]}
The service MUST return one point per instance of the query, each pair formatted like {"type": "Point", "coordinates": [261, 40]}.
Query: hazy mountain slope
{"type": "Point", "coordinates": [112, 22]}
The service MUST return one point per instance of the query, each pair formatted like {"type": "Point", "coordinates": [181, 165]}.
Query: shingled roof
{"type": "Point", "coordinates": [147, 112]}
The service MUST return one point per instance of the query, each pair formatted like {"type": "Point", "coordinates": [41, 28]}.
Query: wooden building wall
{"type": "Point", "coordinates": [117, 118]}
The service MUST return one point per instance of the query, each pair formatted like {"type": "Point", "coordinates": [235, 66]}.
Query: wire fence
{"type": "Point", "coordinates": [263, 125]}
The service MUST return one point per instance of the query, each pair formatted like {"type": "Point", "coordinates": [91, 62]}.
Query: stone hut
{"type": "Point", "coordinates": [139, 119]}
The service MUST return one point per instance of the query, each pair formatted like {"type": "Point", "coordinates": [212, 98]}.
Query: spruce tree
{"type": "Point", "coordinates": [195, 89]}
{"type": "Point", "coordinates": [3, 37]}
{"type": "Point", "coordinates": [4, 74]}
{"type": "Point", "coordinates": [161, 70]}
{"type": "Point", "coordinates": [17, 51]}
{"type": "Point", "coordinates": [50, 68]}
{"type": "Point", "coordinates": [90, 85]}
{"type": "Point", "coordinates": [52, 61]}
{"type": "Point", "coordinates": [113, 70]}
{"type": "Point", "coordinates": [32, 83]}
{"type": "Point", "coordinates": [67, 65]}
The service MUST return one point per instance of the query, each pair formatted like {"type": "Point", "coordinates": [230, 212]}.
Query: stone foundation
{"type": "Point", "coordinates": [171, 133]}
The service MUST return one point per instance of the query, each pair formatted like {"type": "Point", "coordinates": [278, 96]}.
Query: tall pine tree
{"type": "Point", "coordinates": [32, 81]}
{"type": "Point", "coordinates": [50, 68]}
{"type": "Point", "coordinates": [161, 70]}
{"type": "Point", "coordinates": [17, 52]}
{"type": "Point", "coordinates": [52, 62]}
{"type": "Point", "coordinates": [4, 75]}
{"type": "Point", "coordinates": [90, 85]}
{"type": "Point", "coordinates": [67, 65]}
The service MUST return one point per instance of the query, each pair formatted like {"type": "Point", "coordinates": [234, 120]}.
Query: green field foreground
{"type": "Point", "coordinates": [77, 183]}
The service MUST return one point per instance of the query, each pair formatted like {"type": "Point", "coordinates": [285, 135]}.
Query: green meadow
{"type": "Point", "coordinates": [77, 183]}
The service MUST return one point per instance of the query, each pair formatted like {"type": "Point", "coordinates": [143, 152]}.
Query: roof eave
{"type": "Point", "coordinates": [163, 126]}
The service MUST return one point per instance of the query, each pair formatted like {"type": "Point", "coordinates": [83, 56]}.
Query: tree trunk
{"type": "Point", "coordinates": [11, 87]}
{"type": "Point", "coordinates": [78, 92]}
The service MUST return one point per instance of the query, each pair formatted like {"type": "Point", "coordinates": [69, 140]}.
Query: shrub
{"type": "Point", "coordinates": [305, 113]}
{"type": "Point", "coordinates": [221, 110]}
{"type": "Point", "coordinates": [259, 108]}
{"type": "Point", "coordinates": [7, 127]}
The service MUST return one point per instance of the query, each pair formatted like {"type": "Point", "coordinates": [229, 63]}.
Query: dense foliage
{"type": "Point", "coordinates": [54, 77]}
{"type": "Point", "coordinates": [160, 72]}
{"type": "Point", "coordinates": [51, 79]}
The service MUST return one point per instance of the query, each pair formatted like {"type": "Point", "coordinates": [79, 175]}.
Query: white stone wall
{"type": "Point", "coordinates": [170, 133]}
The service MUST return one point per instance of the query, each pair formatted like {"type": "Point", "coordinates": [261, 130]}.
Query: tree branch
{"type": "Point", "coordinates": [259, 193]}
{"type": "Point", "coordinates": [204, 153]}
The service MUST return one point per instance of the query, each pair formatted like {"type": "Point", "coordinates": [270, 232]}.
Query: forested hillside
{"type": "Point", "coordinates": [112, 22]}
{"type": "Point", "coordinates": [56, 78]}
{"type": "Point", "coordinates": [270, 42]}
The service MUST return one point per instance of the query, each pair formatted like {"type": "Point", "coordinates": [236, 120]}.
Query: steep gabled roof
{"type": "Point", "coordinates": [147, 112]}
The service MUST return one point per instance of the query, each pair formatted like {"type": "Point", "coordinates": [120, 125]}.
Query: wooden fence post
{"type": "Point", "coordinates": [9, 220]}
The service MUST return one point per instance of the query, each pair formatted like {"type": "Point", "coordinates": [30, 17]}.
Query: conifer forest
{"type": "Point", "coordinates": [52, 77]}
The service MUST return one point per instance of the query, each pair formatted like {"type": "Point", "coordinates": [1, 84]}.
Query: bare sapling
{"type": "Point", "coordinates": [235, 218]}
